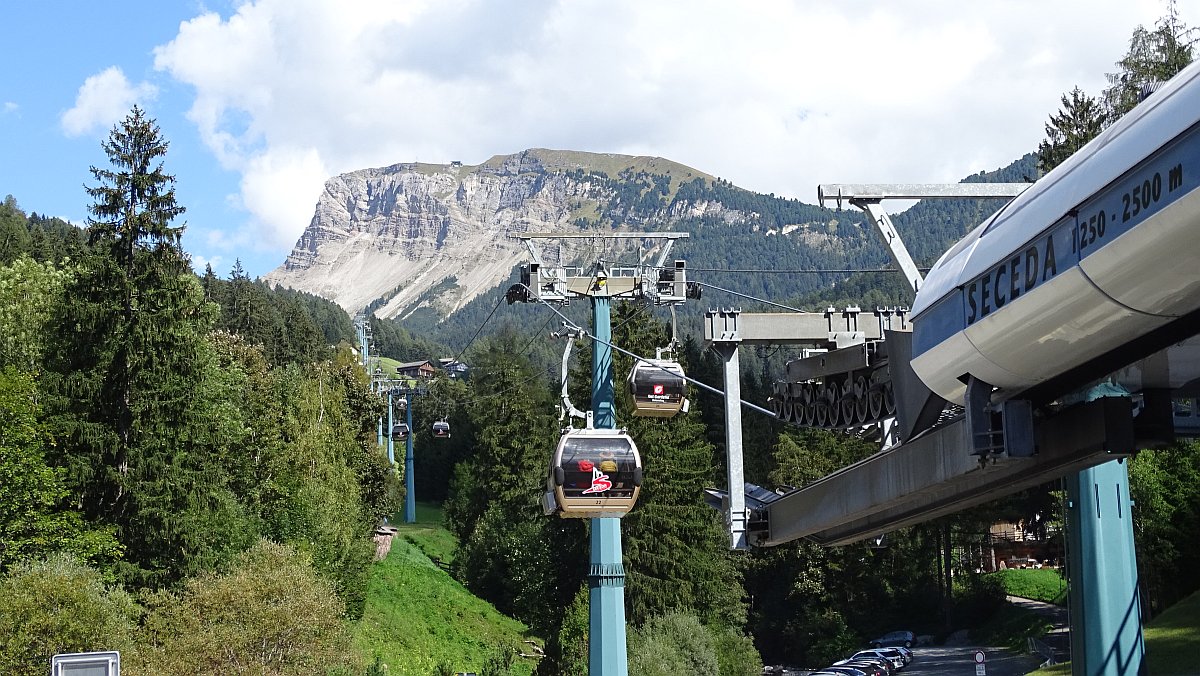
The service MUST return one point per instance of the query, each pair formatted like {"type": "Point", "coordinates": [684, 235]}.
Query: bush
{"type": "Point", "coordinates": [60, 606]}
{"type": "Point", "coordinates": [977, 598]}
{"type": "Point", "coordinates": [671, 644]}
{"type": "Point", "coordinates": [270, 614]}
{"type": "Point", "coordinates": [736, 653]}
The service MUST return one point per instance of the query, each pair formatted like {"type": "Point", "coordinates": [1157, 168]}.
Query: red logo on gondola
{"type": "Point", "coordinates": [600, 482]}
{"type": "Point", "coordinates": [658, 389]}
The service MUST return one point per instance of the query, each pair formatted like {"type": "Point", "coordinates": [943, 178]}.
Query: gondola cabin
{"type": "Point", "coordinates": [441, 429]}
{"type": "Point", "coordinates": [658, 388]}
{"type": "Point", "coordinates": [400, 432]}
{"type": "Point", "coordinates": [595, 473]}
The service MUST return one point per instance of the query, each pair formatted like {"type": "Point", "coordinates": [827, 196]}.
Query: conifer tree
{"type": "Point", "coordinates": [139, 403]}
{"type": "Point", "coordinates": [676, 548]}
{"type": "Point", "coordinates": [1079, 120]}
{"type": "Point", "coordinates": [1154, 56]}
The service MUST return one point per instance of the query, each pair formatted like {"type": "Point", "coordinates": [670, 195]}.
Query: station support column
{"type": "Point", "coordinates": [1106, 612]}
{"type": "Point", "coordinates": [607, 655]}
{"type": "Point", "coordinates": [410, 491]}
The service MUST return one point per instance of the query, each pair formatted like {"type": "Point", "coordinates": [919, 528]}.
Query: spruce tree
{"type": "Point", "coordinates": [1079, 120]}
{"type": "Point", "coordinates": [139, 406]}
{"type": "Point", "coordinates": [1154, 56]}
{"type": "Point", "coordinates": [676, 547]}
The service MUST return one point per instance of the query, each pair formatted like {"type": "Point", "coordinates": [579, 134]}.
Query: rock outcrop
{"type": "Point", "coordinates": [421, 234]}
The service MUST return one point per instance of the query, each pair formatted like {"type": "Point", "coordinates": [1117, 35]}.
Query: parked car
{"type": "Point", "coordinates": [896, 660]}
{"type": "Point", "coordinates": [875, 662]}
{"type": "Point", "coordinates": [903, 653]}
{"type": "Point", "coordinates": [868, 668]}
{"type": "Point", "coordinates": [1024, 562]}
{"type": "Point", "coordinates": [895, 638]}
{"type": "Point", "coordinates": [848, 671]}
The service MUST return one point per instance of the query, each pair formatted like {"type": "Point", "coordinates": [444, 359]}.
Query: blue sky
{"type": "Point", "coordinates": [262, 101]}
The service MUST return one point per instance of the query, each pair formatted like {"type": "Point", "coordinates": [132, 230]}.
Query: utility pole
{"type": "Point", "coordinates": [607, 653]}
{"type": "Point", "coordinates": [410, 490]}
{"type": "Point", "coordinates": [407, 389]}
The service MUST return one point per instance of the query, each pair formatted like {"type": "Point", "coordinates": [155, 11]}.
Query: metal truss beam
{"type": "Point", "coordinates": [936, 474]}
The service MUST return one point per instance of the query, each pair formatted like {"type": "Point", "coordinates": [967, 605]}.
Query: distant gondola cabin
{"type": "Point", "coordinates": [400, 432]}
{"type": "Point", "coordinates": [595, 473]}
{"type": "Point", "coordinates": [658, 388]}
{"type": "Point", "coordinates": [441, 429]}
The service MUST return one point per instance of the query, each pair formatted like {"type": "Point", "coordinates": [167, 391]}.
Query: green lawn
{"type": "Point", "coordinates": [1172, 641]}
{"type": "Point", "coordinates": [1039, 584]}
{"type": "Point", "coordinates": [427, 533]}
{"type": "Point", "coordinates": [417, 617]}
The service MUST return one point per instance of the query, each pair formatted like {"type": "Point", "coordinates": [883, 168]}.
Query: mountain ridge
{"type": "Point", "coordinates": [422, 241]}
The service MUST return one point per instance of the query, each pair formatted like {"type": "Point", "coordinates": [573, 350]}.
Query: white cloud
{"type": "Point", "coordinates": [280, 188]}
{"type": "Point", "coordinates": [104, 99]}
{"type": "Point", "coordinates": [200, 262]}
{"type": "Point", "coordinates": [775, 96]}
{"type": "Point", "coordinates": [11, 107]}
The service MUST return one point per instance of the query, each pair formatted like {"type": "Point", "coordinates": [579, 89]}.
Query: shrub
{"type": "Point", "coordinates": [270, 614]}
{"type": "Point", "coordinates": [60, 606]}
{"type": "Point", "coordinates": [675, 643]}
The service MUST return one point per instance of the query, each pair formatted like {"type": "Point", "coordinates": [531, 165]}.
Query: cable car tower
{"type": "Point", "coordinates": [583, 454]}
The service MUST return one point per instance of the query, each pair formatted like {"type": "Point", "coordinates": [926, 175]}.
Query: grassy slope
{"type": "Point", "coordinates": [1172, 641]}
{"type": "Point", "coordinates": [1041, 584]}
{"type": "Point", "coordinates": [418, 617]}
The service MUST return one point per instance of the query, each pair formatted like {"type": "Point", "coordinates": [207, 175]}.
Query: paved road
{"type": "Point", "coordinates": [959, 661]}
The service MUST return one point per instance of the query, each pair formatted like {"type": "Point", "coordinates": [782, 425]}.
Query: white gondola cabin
{"type": "Point", "coordinates": [441, 429]}
{"type": "Point", "coordinates": [400, 432]}
{"type": "Point", "coordinates": [658, 388]}
{"type": "Point", "coordinates": [595, 473]}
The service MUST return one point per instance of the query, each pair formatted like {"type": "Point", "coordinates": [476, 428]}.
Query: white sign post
{"type": "Point", "coordinates": [107, 663]}
{"type": "Point", "coordinates": [980, 666]}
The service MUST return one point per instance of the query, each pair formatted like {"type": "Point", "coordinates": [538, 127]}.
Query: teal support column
{"type": "Point", "coordinates": [391, 426]}
{"type": "Point", "coordinates": [410, 495]}
{"type": "Point", "coordinates": [607, 654]}
{"type": "Point", "coordinates": [1106, 612]}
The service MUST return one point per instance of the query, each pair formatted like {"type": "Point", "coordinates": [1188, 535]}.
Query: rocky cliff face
{"type": "Point", "coordinates": [420, 234]}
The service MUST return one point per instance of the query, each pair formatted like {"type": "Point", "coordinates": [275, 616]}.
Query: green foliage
{"type": "Point", "coordinates": [315, 490]}
{"type": "Point", "coordinates": [134, 398]}
{"type": "Point", "coordinates": [33, 523]}
{"type": "Point", "coordinates": [676, 643]}
{"type": "Point", "coordinates": [29, 292]}
{"type": "Point", "coordinates": [1165, 487]}
{"type": "Point", "coordinates": [1045, 584]}
{"type": "Point", "coordinates": [14, 232]}
{"type": "Point", "coordinates": [291, 326]}
{"type": "Point", "coordinates": [419, 619]}
{"type": "Point", "coordinates": [271, 613]}
{"type": "Point", "coordinates": [1010, 626]}
{"type": "Point", "coordinates": [60, 606]}
{"type": "Point", "coordinates": [1154, 56]}
{"type": "Point", "coordinates": [1079, 120]}
{"type": "Point", "coordinates": [509, 553]}
{"type": "Point", "coordinates": [736, 654]}
{"type": "Point", "coordinates": [567, 651]}
{"type": "Point", "coordinates": [676, 548]}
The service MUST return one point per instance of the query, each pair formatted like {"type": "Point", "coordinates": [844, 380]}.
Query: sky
{"type": "Point", "coordinates": [263, 100]}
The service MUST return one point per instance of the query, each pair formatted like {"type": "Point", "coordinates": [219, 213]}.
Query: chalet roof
{"type": "Point", "coordinates": [413, 365]}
